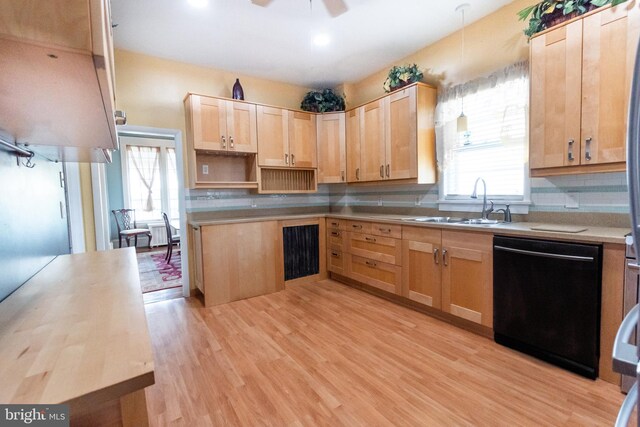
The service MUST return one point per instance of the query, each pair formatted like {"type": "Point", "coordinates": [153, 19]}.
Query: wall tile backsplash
{"type": "Point", "coordinates": [603, 193]}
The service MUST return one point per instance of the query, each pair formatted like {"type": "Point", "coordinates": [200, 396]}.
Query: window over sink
{"type": "Point", "coordinates": [494, 145]}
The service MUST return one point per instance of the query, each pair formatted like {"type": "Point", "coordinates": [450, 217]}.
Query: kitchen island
{"type": "Point", "coordinates": [76, 333]}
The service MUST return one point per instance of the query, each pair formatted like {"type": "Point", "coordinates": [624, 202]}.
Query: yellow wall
{"type": "Point", "coordinates": [151, 90]}
{"type": "Point", "coordinates": [490, 44]}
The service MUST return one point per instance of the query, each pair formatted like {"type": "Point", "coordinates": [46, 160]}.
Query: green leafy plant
{"type": "Point", "coordinates": [401, 76]}
{"type": "Point", "coordinates": [322, 101]}
{"type": "Point", "coordinates": [546, 13]}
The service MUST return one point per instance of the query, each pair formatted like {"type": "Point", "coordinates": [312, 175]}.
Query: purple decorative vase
{"type": "Point", "coordinates": [238, 93]}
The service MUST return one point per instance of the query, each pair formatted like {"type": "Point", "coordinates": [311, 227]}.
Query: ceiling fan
{"type": "Point", "coordinates": [335, 7]}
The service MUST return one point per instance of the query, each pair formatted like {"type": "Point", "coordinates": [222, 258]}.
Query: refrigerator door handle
{"type": "Point", "coordinates": [624, 415]}
{"type": "Point", "coordinates": [625, 359]}
{"type": "Point", "coordinates": [633, 155]}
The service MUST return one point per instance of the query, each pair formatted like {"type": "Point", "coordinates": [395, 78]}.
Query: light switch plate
{"type": "Point", "coordinates": [205, 169]}
{"type": "Point", "coordinates": [572, 200]}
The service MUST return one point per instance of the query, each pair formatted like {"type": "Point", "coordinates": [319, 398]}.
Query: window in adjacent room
{"type": "Point", "coordinates": [495, 145]}
{"type": "Point", "coordinates": [150, 180]}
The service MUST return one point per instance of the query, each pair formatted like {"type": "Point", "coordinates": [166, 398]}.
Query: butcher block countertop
{"type": "Point", "coordinates": [76, 333]}
{"type": "Point", "coordinates": [534, 230]}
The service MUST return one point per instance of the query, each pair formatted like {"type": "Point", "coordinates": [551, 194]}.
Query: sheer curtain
{"type": "Point", "coordinates": [145, 161]}
{"type": "Point", "coordinates": [495, 144]}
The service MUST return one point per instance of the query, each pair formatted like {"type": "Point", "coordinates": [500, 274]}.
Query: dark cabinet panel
{"type": "Point", "coordinates": [301, 251]}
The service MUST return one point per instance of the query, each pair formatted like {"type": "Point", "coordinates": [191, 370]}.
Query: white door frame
{"type": "Point", "coordinates": [74, 199]}
{"type": "Point", "coordinates": [159, 133]}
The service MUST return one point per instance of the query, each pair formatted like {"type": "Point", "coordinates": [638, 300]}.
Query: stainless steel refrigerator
{"type": "Point", "coordinates": [625, 354]}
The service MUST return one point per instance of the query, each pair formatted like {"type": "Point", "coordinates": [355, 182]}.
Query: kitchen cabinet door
{"type": "Point", "coordinates": [332, 162]}
{"type": "Point", "coordinates": [242, 135]}
{"type": "Point", "coordinates": [401, 147]}
{"type": "Point", "coordinates": [467, 276]}
{"type": "Point", "coordinates": [240, 261]}
{"type": "Point", "coordinates": [385, 249]}
{"type": "Point", "coordinates": [273, 136]}
{"type": "Point", "coordinates": [373, 142]}
{"type": "Point", "coordinates": [353, 131]}
{"type": "Point", "coordinates": [422, 266]}
{"type": "Point", "coordinates": [610, 40]}
{"type": "Point", "coordinates": [302, 140]}
{"type": "Point", "coordinates": [209, 122]}
{"type": "Point", "coordinates": [556, 64]}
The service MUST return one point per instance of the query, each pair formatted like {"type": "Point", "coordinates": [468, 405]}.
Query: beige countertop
{"type": "Point", "coordinates": [520, 229]}
{"type": "Point", "coordinates": [76, 333]}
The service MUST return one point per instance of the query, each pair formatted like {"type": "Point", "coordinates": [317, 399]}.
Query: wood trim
{"type": "Point", "coordinates": [572, 170]}
{"type": "Point", "coordinates": [465, 313]}
{"type": "Point", "coordinates": [133, 409]}
{"type": "Point", "coordinates": [387, 94]}
{"type": "Point", "coordinates": [422, 299]}
{"type": "Point", "coordinates": [611, 307]}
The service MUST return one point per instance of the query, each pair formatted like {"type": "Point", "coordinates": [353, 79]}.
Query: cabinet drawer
{"type": "Point", "coordinates": [335, 260]}
{"type": "Point", "coordinates": [339, 224]}
{"type": "Point", "coordinates": [335, 237]}
{"type": "Point", "coordinates": [359, 226]}
{"type": "Point", "coordinates": [378, 248]}
{"type": "Point", "coordinates": [375, 273]}
{"type": "Point", "coordinates": [387, 230]}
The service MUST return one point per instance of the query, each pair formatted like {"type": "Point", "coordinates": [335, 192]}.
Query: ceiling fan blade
{"type": "Point", "coordinates": [335, 7]}
{"type": "Point", "coordinates": [262, 3]}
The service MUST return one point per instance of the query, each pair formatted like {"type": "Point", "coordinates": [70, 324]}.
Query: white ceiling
{"type": "Point", "coordinates": [274, 42]}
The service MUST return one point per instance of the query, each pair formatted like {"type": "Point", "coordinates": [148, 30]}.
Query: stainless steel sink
{"type": "Point", "coordinates": [481, 221]}
{"type": "Point", "coordinates": [445, 219]}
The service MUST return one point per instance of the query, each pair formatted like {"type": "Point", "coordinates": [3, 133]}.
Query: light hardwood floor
{"type": "Point", "coordinates": [327, 354]}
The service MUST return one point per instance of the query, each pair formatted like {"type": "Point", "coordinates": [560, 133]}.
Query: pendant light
{"type": "Point", "coordinates": [462, 119]}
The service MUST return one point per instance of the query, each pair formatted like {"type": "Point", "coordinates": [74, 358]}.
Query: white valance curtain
{"type": "Point", "coordinates": [145, 161]}
{"type": "Point", "coordinates": [497, 110]}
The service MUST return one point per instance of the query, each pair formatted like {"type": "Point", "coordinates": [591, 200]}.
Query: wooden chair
{"type": "Point", "coordinates": [126, 222]}
{"type": "Point", "coordinates": [172, 239]}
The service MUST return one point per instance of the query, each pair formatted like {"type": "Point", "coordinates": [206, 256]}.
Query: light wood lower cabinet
{"type": "Point", "coordinates": [384, 249]}
{"type": "Point", "coordinates": [375, 273]}
{"type": "Point", "coordinates": [449, 270]}
{"type": "Point", "coordinates": [336, 260]}
{"type": "Point", "coordinates": [239, 260]}
{"type": "Point", "coordinates": [467, 276]}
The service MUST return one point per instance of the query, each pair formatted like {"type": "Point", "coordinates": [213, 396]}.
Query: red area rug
{"type": "Point", "coordinates": [156, 274]}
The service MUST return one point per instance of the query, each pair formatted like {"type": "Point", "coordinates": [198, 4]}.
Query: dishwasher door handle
{"type": "Point", "coordinates": [545, 254]}
{"type": "Point", "coordinates": [625, 358]}
{"type": "Point", "coordinates": [624, 415]}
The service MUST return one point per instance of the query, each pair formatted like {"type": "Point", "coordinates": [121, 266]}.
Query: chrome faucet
{"type": "Point", "coordinates": [474, 195]}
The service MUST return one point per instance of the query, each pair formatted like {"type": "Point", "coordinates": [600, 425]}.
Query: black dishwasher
{"type": "Point", "coordinates": [546, 300]}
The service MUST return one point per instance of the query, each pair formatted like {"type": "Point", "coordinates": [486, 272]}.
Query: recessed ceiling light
{"type": "Point", "coordinates": [199, 3]}
{"type": "Point", "coordinates": [321, 39]}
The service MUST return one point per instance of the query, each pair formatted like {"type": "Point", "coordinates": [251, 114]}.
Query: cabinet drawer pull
{"type": "Point", "coordinates": [385, 230]}
{"type": "Point", "coordinates": [224, 141]}
{"type": "Point", "coordinates": [335, 254]}
{"type": "Point", "coordinates": [570, 154]}
{"type": "Point", "coordinates": [387, 170]}
{"type": "Point", "coordinates": [435, 256]}
{"type": "Point", "coordinates": [335, 233]}
{"type": "Point", "coordinates": [381, 171]}
{"type": "Point", "coordinates": [357, 174]}
{"type": "Point", "coordinates": [587, 151]}
{"type": "Point", "coordinates": [293, 160]}
{"type": "Point", "coordinates": [231, 142]}
{"type": "Point", "coordinates": [342, 175]}
{"type": "Point", "coordinates": [370, 239]}
{"type": "Point", "coordinates": [335, 224]}
{"type": "Point", "coordinates": [444, 257]}
{"type": "Point", "coordinates": [357, 226]}
{"type": "Point", "coordinates": [370, 263]}
{"type": "Point", "coordinates": [286, 159]}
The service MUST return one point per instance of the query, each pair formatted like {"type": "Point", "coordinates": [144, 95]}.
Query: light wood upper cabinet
{"type": "Point", "coordinates": [373, 141]}
{"type": "Point", "coordinates": [354, 130]}
{"type": "Point", "coordinates": [273, 136]}
{"type": "Point", "coordinates": [580, 84]}
{"type": "Point", "coordinates": [467, 276]}
{"type": "Point", "coordinates": [221, 124]}
{"type": "Point", "coordinates": [394, 137]}
{"type": "Point", "coordinates": [302, 140]}
{"type": "Point", "coordinates": [332, 162]}
{"type": "Point", "coordinates": [286, 138]}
